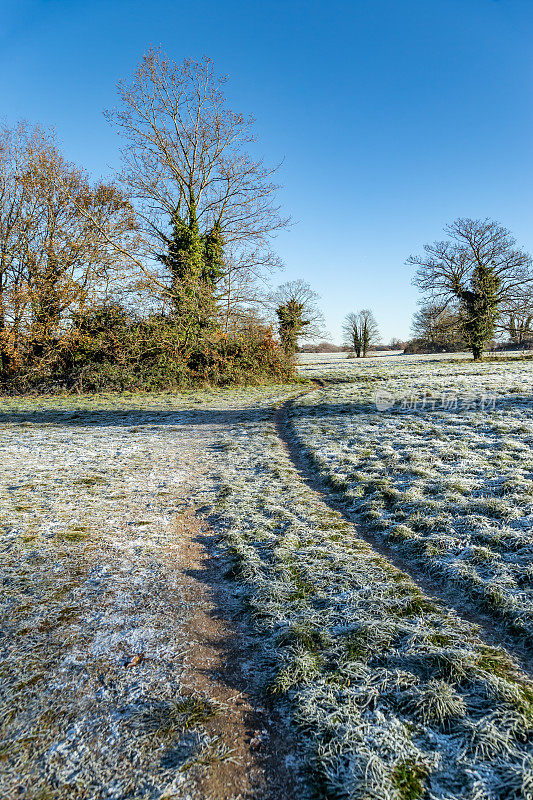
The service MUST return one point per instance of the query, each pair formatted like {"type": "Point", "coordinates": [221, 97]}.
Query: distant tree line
{"type": "Point", "coordinates": [323, 347]}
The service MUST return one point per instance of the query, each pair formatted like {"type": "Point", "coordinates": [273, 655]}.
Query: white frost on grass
{"type": "Point", "coordinates": [92, 604]}
{"type": "Point", "coordinates": [451, 488]}
{"type": "Point", "coordinates": [397, 697]}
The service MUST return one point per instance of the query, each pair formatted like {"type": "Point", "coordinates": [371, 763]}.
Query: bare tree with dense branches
{"type": "Point", "coordinates": [352, 333]}
{"type": "Point", "coordinates": [54, 259]}
{"type": "Point", "coordinates": [360, 331]}
{"type": "Point", "coordinates": [517, 320]}
{"type": "Point", "coordinates": [479, 267]}
{"type": "Point", "coordinates": [207, 206]}
{"type": "Point", "coordinates": [437, 328]}
{"type": "Point", "coordinates": [295, 305]}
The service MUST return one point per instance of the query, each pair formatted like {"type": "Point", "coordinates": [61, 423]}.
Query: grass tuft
{"type": "Point", "coordinates": [409, 778]}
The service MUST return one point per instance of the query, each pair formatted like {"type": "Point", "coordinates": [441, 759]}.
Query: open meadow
{"type": "Point", "coordinates": [377, 559]}
{"type": "Point", "coordinates": [435, 453]}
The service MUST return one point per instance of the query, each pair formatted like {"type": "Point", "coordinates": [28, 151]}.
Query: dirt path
{"type": "Point", "coordinates": [219, 665]}
{"type": "Point", "coordinates": [119, 636]}
{"type": "Point", "coordinates": [490, 631]}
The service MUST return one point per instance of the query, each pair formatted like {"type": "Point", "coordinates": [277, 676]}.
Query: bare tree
{"type": "Point", "coordinates": [243, 288]}
{"type": "Point", "coordinates": [360, 331]}
{"type": "Point", "coordinates": [188, 167]}
{"type": "Point", "coordinates": [478, 266]}
{"type": "Point", "coordinates": [53, 259]}
{"type": "Point", "coordinates": [352, 333]}
{"type": "Point", "coordinates": [517, 319]}
{"type": "Point", "coordinates": [295, 305]}
{"type": "Point", "coordinates": [438, 328]}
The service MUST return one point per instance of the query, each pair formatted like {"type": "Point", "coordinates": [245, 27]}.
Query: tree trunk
{"type": "Point", "coordinates": [477, 352]}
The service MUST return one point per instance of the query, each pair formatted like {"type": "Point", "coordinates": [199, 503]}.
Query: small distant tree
{"type": "Point", "coordinates": [479, 267]}
{"type": "Point", "coordinates": [518, 320]}
{"type": "Point", "coordinates": [295, 305]}
{"type": "Point", "coordinates": [437, 328]}
{"type": "Point", "coordinates": [361, 331]}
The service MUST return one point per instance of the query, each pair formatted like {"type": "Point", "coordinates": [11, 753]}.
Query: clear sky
{"type": "Point", "coordinates": [391, 117]}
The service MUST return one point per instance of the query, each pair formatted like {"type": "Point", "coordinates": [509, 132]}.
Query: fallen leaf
{"type": "Point", "coordinates": [135, 660]}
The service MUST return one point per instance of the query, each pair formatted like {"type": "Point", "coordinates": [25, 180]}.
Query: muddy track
{"type": "Point", "coordinates": [489, 630]}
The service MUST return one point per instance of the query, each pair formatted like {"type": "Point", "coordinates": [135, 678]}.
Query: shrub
{"type": "Point", "coordinates": [109, 348]}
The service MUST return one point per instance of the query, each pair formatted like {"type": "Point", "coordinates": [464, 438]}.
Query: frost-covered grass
{"type": "Point", "coordinates": [343, 365]}
{"type": "Point", "coordinates": [446, 475]}
{"type": "Point", "coordinates": [396, 696]}
{"type": "Point", "coordinates": [93, 491]}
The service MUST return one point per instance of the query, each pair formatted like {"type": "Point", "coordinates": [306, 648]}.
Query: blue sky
{"type": "Point", "coordinates": [391, 117]}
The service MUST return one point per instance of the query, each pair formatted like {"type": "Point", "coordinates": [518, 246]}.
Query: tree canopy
{"type": "Point", "coordinates": [187, 165]}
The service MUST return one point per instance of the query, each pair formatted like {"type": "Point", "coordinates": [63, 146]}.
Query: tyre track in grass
{"type": "Point", "coordinates": [489, 630]}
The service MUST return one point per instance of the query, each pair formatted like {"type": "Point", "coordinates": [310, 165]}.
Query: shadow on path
{"type": "Point", "coordinates": [214, 416]}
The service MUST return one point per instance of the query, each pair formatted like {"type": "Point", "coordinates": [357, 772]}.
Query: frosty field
{"type": "Point", "coordinates": [445, 473]}
{"type": "Point", "coordinates": [389, 692]}
{"type": "Point", "coordinates": [95, 694]}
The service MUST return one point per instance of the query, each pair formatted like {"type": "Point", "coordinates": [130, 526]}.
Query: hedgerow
{"type": "Point", "coordinates": [111, 349]}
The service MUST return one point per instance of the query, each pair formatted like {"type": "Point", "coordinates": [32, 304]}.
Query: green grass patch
{"type": "Point", "coordinates": [409, 778]}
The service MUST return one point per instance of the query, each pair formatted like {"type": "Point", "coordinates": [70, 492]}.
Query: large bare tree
{"type": "Point", "coordinates": [187, 163]}
{"type": "Point", "coordinates": [479, 267]}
